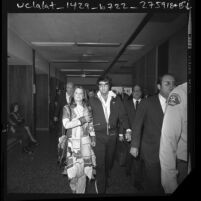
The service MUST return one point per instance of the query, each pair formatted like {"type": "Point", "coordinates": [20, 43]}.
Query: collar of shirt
{"type": "Point", "coordinates": [110, 95]}
{"type": "Point", "coordinates": [106, 105]}
{"type": "Point", "coordinates": [67, 97]}
{"type": "Point", "coordinates": [134, 100]}
{"type": "Point", "coordinates": [162, 102]}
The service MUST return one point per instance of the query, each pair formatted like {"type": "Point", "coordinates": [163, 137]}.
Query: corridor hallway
{"type": "Point", "coordinates": [40, 173]}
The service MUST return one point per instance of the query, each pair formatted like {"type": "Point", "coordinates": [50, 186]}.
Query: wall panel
{"type": "Point", "coordinates": [178, 55]}
{"type": "Point", "coordinates": [20, 89]}
{"type": "Point", "coordinates": [42, 106]}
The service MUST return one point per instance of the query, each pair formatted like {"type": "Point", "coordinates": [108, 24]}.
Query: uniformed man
{"type": "Point", "coordinates": [173, 144]}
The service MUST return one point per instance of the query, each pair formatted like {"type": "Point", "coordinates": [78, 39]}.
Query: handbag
{"type": "Point", "coordinates": [63, 145]}
{"type": "Point", "coordinates": [62, 149]}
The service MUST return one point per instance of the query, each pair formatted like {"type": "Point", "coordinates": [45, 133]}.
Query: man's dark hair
{"type": "Point", "coordinates": [138, 86]}
{"type": "Point", "coordinates": [161, 77]}
{"type": "Point", "coordinates": [104, 79]}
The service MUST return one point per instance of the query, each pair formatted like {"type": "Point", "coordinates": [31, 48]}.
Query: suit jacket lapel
{"type": "Point", "coordinates": [100, 105]}
{"type": "Point", "coordinates": [132, 107]}
{"type": "Point", "coordinates": [112, 104]}
{"type": "Point", "coordinates": [159, 107]}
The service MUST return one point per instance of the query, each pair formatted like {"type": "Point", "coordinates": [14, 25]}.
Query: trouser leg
{"type": "Point", "coordinates": [137, 170]}
{"type": "Point", "coordinates": [153, 179]}
{"type": "Point", "coordinates": [129, 160]}
{"type": "Point", "coordinates": [100, 165]}
{"type": "Point", "coordinates": [182, 168]}
{"type": "Point", "coordinates": [105, 152]}
{"type": "Point", "coordinates": [110, 154]}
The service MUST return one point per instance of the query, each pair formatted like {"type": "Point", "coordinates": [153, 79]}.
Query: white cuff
{"type": "Point", "coordinates": [65, 121]}
{"type": "Point", "coordinates": [92, 134]}
{"type": "Point", "coordinates": [121, 135]}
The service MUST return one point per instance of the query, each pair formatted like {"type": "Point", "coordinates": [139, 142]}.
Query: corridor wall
{"type": "Point", "coordinates": [19, 89]}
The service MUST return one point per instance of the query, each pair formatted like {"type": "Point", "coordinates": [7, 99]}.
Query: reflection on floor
{"type": "Point", "coordinates": [40, 173]}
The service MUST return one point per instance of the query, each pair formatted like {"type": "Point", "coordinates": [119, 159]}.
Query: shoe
{"type": "Point", "coordinates": [27, 151]}
{"type": "Point", "coordinates": [36, 143]}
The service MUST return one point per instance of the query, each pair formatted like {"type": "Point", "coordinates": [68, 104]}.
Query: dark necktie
{"type": "Point", "coordinates": [136, 104]}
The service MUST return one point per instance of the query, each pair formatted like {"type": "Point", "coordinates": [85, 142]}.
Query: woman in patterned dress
{"type": "Point", "coordinates": [80, 135]}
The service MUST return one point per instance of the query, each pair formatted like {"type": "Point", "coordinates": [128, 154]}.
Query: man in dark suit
{"type": "Point", "coordinates": [147, 130]}
{"type": "Point", "coordinates": [133, 165]}
{"type": "Point", "coordinates": [107, 110]}
{"type": "Point", "coordinates": [63, 99]}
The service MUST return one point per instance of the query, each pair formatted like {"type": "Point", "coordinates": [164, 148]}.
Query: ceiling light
{"type": "Point", "coordinates": [79, 61]}
{"type": "Point", "coordinates": [99, 44]}
{"type": "Point", "coordinates": [79, 70]}
{"type": "Point", "coordinates": [53, 44]}
{"type": "Point", "coordinates": [88, 54]}
{"type": "Point", "coordinates": [81, 75]}
{"type": "Point", "coordinates": [134, 47]}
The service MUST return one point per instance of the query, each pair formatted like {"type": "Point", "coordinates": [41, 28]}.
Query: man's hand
{"type": "Point", "coordinates": [128, 135]}
{"type": "Point", "coordinates": [93, 141]}
{"type": "Point", "coordinates": [121, 137]}
{"type": "Point", "coordinates": [55, 119]}
{"type": "Point", "coordinates": [134, 151]}
{"type": "Point", "coordinates": [85, 119]}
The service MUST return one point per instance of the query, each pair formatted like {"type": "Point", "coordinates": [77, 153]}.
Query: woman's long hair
{"type": "Point", "coordinates": [84, 101]}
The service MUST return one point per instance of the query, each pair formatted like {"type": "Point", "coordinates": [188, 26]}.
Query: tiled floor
{"type": "Point", "coordinates": [40, 173]}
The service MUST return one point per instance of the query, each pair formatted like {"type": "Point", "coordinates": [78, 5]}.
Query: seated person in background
{"type": "Point", "coordinates": [17, 126]}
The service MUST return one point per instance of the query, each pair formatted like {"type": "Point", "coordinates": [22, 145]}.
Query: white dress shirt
{"type": "Point", "coordinates": [106, 104]}
{"type": "Point", "coordinates": [134, 101]}
{"type": "Point", "coordinates": [67, 98]}
{"type": "Point", "coordinates": [162, 102]}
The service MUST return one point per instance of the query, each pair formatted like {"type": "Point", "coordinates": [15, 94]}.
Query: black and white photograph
{"type": "Point", "coordinates": [97, 103]}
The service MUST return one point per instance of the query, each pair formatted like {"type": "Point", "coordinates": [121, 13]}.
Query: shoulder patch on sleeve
{"type": "Point", "coordinates": [174, 99]}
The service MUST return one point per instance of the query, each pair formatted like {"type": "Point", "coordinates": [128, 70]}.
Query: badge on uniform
{"type": "Point", "coordinates": [174, 99]}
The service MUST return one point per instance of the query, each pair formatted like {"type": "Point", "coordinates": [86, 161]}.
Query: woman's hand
{"type": "Point", "coordinates": [85, 119]}
{"type": "Point", "coordinates": [88, 118]}
{"type": "Point", "coordinates": [93, 141]}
